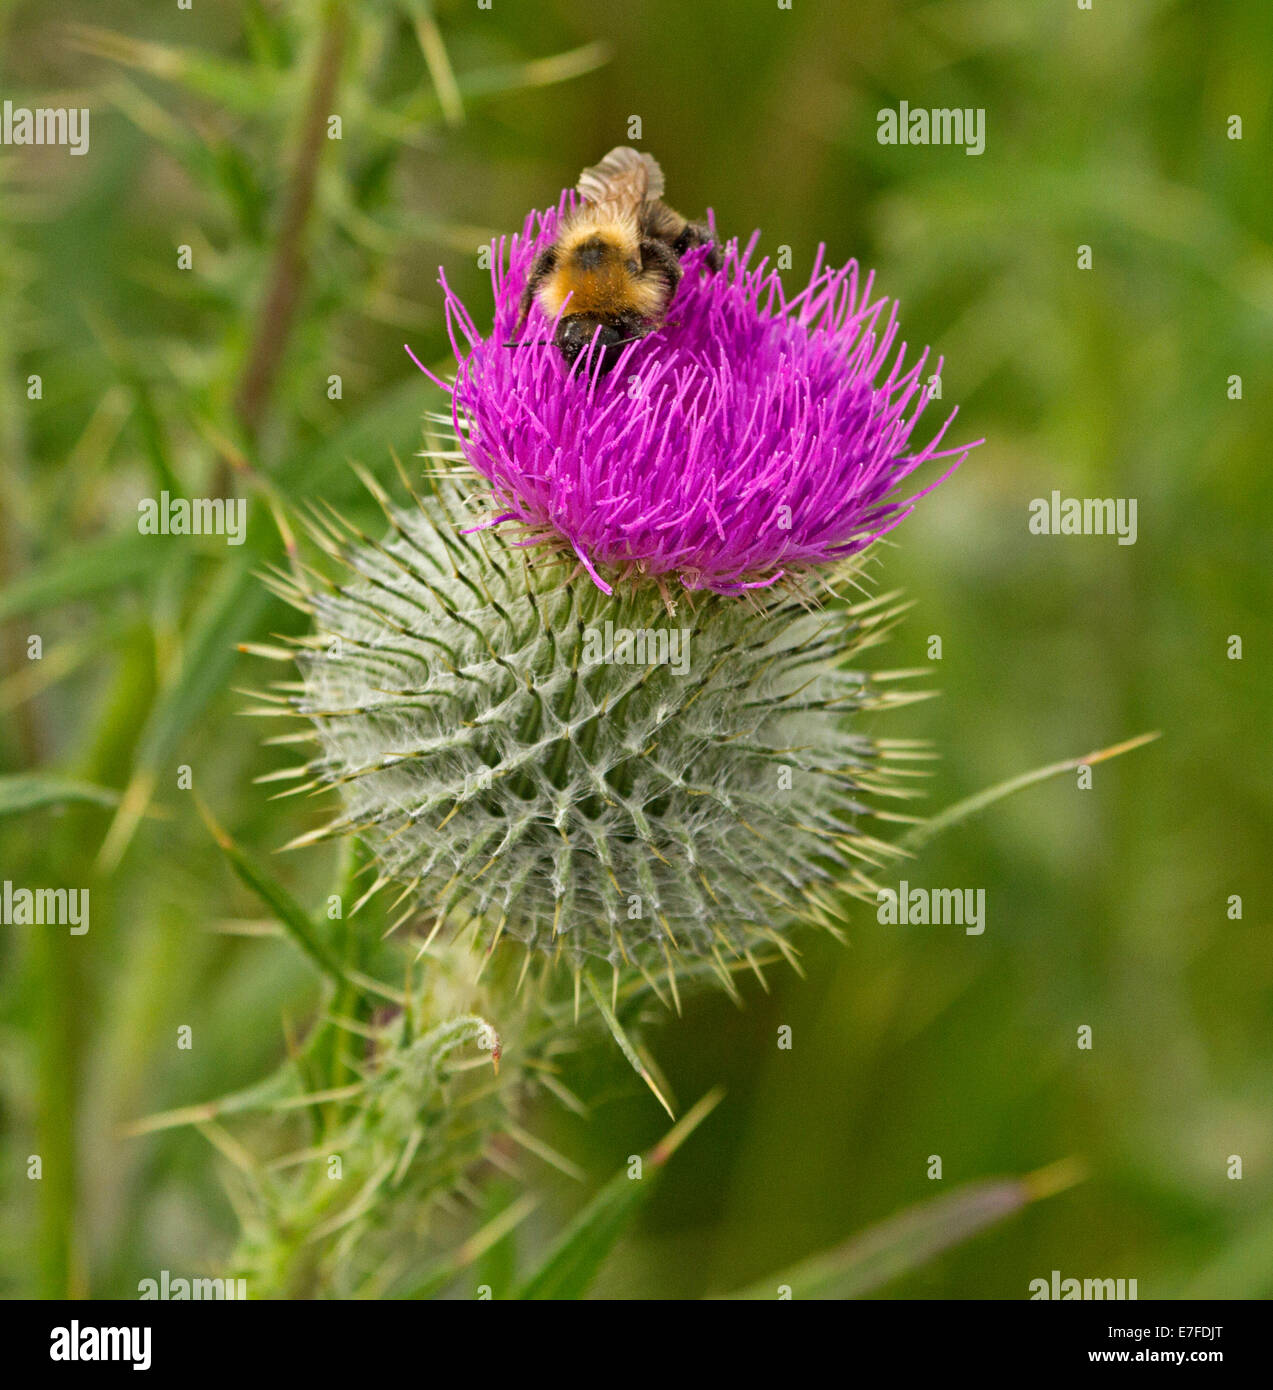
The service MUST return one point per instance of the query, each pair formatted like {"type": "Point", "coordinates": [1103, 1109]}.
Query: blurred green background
{"type": "Point", "coordinates": [1106, 907]}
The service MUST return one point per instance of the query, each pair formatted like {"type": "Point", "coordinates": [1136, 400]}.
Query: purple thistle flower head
{"type": "Point", "coordinates": [753, 434]}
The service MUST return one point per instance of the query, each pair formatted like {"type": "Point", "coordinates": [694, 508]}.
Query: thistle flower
{"type": "Point", "coordinates": [754, 434]}
{"type": "Point", "coordinates": [508, 764]}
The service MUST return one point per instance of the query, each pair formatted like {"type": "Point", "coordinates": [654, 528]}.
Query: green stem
{"type": "Point", "coordinates": [287, 272]}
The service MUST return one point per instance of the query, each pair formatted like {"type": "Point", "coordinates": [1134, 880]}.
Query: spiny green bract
{"type": "Point", "coordinates": [509, 767]}
{"type": "Point", "coordinates": [357, 1194]}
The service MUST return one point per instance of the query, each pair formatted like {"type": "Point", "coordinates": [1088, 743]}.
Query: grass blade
{"type": "Point", "coordinates": [227, 614]}
{"type": "Point", "coordinates": [912, 1238]}
{"type": "Point", "coordinates": [494, 1231]}
{"type": "Point", "coordinates": [31, 791]}
{"type": "Point", "coordinates": [573, 1262]}
{"type": "Point", "coordinates": [81, 570]}
{"type": "Point", "coordinates": [293, 917]}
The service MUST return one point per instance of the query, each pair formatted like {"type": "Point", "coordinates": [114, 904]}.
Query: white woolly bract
{"type": "Point", "coordinates": [505, 767]}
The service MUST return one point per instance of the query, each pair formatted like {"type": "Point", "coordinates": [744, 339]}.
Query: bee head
{"type": "Point", "coordinates": [576, 331]}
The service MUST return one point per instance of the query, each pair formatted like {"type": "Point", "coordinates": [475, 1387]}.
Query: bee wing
{"type": "Point", "coordinates": [623, 180]}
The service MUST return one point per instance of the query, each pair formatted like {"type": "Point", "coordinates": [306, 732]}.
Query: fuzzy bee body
{"type": "Point", "coordinates": [615, 264]}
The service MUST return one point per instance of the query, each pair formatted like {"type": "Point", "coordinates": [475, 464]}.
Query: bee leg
{"type": "Point", "coordinates": [545, 263]}
{"type": "Point", "coordinates": [658, 258]}
{"type": "Point", "coordinates": [698, 234]}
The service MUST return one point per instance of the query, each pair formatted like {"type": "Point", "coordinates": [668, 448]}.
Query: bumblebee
{"type": "Point", "coordinates": [616, 261]}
